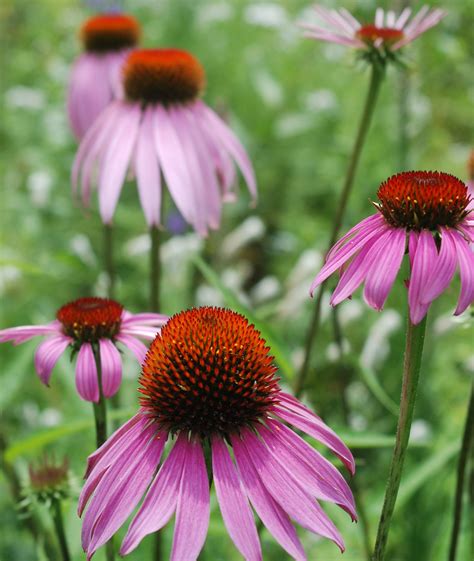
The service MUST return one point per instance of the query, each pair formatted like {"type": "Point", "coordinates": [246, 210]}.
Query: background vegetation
{"type": "Point", "coordinates": [295, 104]}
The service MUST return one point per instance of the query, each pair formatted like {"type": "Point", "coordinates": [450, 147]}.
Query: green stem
{"type": "Point", "coordinates": [411, 370]}
{"type": "Point", "coordinates": [109, 259]}
{"type": "Point", "coordinates": [57, 515]}
{"type": "Point", "coordinates": [466, 451]}
{"type": "Point", "coordinates": [370, 103]}
{"type": "Point", "coordinates": [155, 269]}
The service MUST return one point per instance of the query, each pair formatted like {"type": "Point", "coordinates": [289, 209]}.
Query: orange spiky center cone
{"type": "Point", "coordinates": [371, 33]}
{"type": "Point", "coordinates": [110, 32]}
{"type": "Point", "coordinates": [162, 75]}
{"type": "Point", "coordinates": [423, 199]}
{"type": "Point", "coordinates": [208, 372]}
{"type": "Point", "coordinates": [90, 319]}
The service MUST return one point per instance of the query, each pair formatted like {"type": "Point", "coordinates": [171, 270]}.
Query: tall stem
{"type": "Point", "coordinates": [109, 259]}
{"type": "Point", "coordinates": [377, 74]}
{"type": "Point", "coordinates": [466, 451]}
{"type": "Point", "coordinates": [155, 269]}
{"type": "Point", "coordinates": [57, 515]}
{"type": "Point", "coordinates": [411, 370]}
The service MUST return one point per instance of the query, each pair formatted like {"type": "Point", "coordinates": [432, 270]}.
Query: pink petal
{"type": "Point", "coordinates": [236, 511]}
{"type": "Point", "coordinates": [25, 332]}
{"type": "Point", "coordinates": [192, 510]}
{"type": "Point", "coordinates": [111, 367]}
{"type": "Point", "coordinates": [317, 475]}
{"type": "Point", "coordinates": [466, 271]}
{"type": "Point", "coordinates": [294, 412]}
{"type": "Point", "coordinates": [443, 269]}
{"type": "Point", "coordinates": [232, 144]}
{"type": "Point", "coordinates": [270, 512]}
{"type": "Point", "coordinates": [148, 171]}
{"type": "Point", "coordinates": [120, 490]}
{"type": "Point", "coordinates": [116, 159]}
{"type": "Point", "coordinates": [389, 252]}
{"type": "Point", "coordinates": [285, 489]}
{"type": "Point", "coordinates": [423, 264]}
{"type": "Point", "coordinates": [160, 501]}
{"type": "Point", "coordinates": [144, 319]}
{"type": "Point", "coordinates": [87, 384]}
{"type": "Point", "coordinates": [48, 353]}
{"type": "Point", "coordinates": [136, 346]}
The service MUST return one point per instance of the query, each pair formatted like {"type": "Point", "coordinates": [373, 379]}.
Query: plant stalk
{"type": "Point", "coordinates": [155, 269]}
{"type": "Point", "coordinates": [467, 451]}
{"type": "Point", "coordinates": [411, 370]}
{"type": "Point", "coordinates": [109, 259]}
{"type": "Point", "coordinates": [57, 516]}
{"type": "Point", "coordinates": [376, 78]}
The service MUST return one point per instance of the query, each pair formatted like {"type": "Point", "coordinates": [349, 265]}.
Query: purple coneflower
{"type": "Point", "coordinates": [209, 383]}
{"type": "Point", "coordinates": [426, 214]}
{"type": "Point", "coordinates": [387, 33]}
{"type": "Point", "coordinates": [95, 77]}
{"type": "Point", "coordinates": [161, 127]}
{"type": "Point", "coordinates": [89, 325]}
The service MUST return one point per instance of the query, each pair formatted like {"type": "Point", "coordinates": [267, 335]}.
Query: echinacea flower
{"type": "Point", "coordinates": [95, 77]}
{"type": "Point", "coordinates": [89, 326]}
{"type": "Point", "coordinates": [162, 128]}
{"type": "Point", "coordinates": [388, 33]}
{"type": "Point", "coordinates": [50, 481]}
{"type": "Point", "coordinates": [208, 383]}
{"type": "Point", "coordinates": [426, 214]}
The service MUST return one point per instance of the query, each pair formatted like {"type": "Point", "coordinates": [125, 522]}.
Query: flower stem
{"type": "Point", "coordinates": [466, 450]}
{"type": "Point", "coordinates": [57, 515]}
{"type": "Point", "coordinates": [377, 74]}
{"type": "Point", "coordinates": [155, 269]}
{"type": "Point", "coordinates": [411, 370]}
{"type": "Point", "coordinates": [109, 259]}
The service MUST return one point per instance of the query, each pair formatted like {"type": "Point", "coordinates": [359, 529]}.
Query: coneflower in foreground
{"type": "Point", "coordinates": [89, 325]}
{"type": "Point", "coordinates": [161, 127]}
{"type": "Point", "coordinates": [387, 34]}
{"type": "Point", "coordinates": [208, 384]}
{"type": "Point", "coordinates": [429, 216]}
{"type": "Point", "coordinates": [95, 76]}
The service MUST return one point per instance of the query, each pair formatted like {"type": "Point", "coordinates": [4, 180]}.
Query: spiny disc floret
{"type": "Point", "coordinates": [162, 75]}
{"type": "Point", "coordinates": [386, 35]}
{"type": "Point", "coordinates": [91, 319]}
{"type": "Point", "coordinates": [110, 32]}
{"type": "Point", "coordinates": [208, 372]}
{"type": "Point", "coordinates": [418, 200]}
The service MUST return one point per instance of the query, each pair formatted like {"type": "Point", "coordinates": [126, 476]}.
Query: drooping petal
{"type": "Point", "coordinates": [285, 489]}
{"type": "Point", "coordinates": [193, 508]}
{"type": "Point", "coordinates": [23, 333]}
{"type": "Point", "coordinates": [111, 367]}
{"type": "Point", "coordinates": [422, 268]}
{"type": "Point", "coordinates": [116, 159]}
{"type": "Point", "coordinates": [443, 270]}
{"type": "Point", "coordinates": [389, 252]}
{"type": "Point", "coordinates": [87, 383]}
{"type": "Point", "coordinates": [136, 346]}
{"type": "Point", "coordinates": [161, 499]}
{"type": "Point", "coordinates": [466, 271]}
{"type": "Point", "coordinates": [145, 331]}
{"type": "Point", "coordinates": [148, 171]}
{"type": "Point", "coordinates": [143, 319]}
{"type": "Point", "coordinates": [48, 353]}
{"type": "Point", "coordinates": [235, 509]}
{"type": "Point", "coordinates": [232, 144]}
{"type": "Point", "coordinates": [120, 491]}
{"type": "Point", "coordinates": [291, 453]}
{"type": "Point", "coordinates": [294, 412]}
{"type": "Point", "coordinates": [271, 513]}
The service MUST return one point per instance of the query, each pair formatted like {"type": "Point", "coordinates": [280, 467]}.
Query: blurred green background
{"type": "Point", "coordinates": [295, 104]}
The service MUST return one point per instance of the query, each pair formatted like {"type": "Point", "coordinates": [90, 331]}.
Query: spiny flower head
{"type": "Point", "coordinates": [49, 481]}
{"type": "Point", "coordinates": [208, 372]}
{"type": "Point", "coordinates": [110, 32]}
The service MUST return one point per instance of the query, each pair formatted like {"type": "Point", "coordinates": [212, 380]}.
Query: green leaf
{"type": "Point", "coordinates": [276, 347]}
{"type": "Point", "coordinates": [18, 368]}
{"type": "Point", "coordinates": [377, 390]}
{"type": "Point", "coordinates": [372, 440]}
{"type": "Point", "coordinates": [42, 438]}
